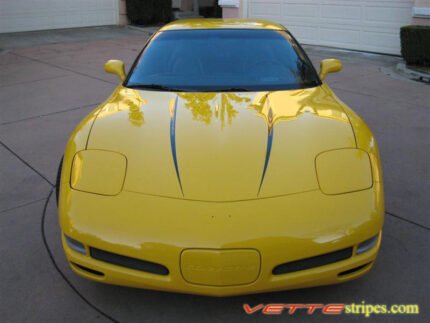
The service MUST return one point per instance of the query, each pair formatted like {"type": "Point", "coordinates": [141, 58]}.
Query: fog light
{"type": "Point", "coordinates": [367, 245]}
{"type": "Point", "coordinates": [75, 245]}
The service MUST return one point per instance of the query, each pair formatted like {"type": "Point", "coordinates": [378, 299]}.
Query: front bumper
{"type": "Point", "coordinates": [280, 230]}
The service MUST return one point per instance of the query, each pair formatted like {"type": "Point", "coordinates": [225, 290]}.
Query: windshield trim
{"type": "Point", "coordinates": [227, 89]}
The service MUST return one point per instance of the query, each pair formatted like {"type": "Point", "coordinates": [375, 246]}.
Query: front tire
{"type": "Point", "coordinates": [57, 184]}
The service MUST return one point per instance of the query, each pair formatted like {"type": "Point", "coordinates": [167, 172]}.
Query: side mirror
{"type": "Point", "coordinates": [330, 65]}
{"type": "Point", "coordinates": [115, 66]}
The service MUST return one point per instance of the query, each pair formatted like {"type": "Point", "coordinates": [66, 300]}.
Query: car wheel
{"type": "Point", "coordinates": [57, 183]}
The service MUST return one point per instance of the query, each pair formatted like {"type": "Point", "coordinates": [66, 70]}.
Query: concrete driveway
{"type": "Point", "coordinates": [50, 80]}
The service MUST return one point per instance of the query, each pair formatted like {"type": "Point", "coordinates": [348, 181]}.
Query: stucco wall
{"type": "Point", "coordinates": [421, 15]}
{"type": "Point", "coordinates": [229, 11]}
{"type": "Point", "coordinates": [122, 12]}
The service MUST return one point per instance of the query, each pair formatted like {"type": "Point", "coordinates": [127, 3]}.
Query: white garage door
{"type": "Point", "coordinates": [25, 15]}
{"type": "Point", "coordinates": [370, 25]}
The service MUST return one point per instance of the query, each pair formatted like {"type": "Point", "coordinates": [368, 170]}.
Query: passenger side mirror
{"type": "Point", "coordinates": [115, 66]}
{"type": "Point", "coordinates": [330, 65]}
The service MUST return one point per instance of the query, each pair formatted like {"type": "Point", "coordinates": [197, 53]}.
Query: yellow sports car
{"type": "Point", "coordinates": [221, 165]}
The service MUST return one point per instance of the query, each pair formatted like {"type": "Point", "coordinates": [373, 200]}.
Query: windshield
{"type": "Point", "coordinates": [222, 60]}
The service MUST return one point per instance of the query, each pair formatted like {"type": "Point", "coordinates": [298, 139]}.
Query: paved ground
{"type": "Point", "coordinates": [47, 87]}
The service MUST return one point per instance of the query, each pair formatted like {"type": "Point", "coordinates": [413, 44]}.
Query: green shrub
{"type": "Point", "coordinates": [146, 12]}
{"type": "Point", "coordinates": [214, 11]}
{"type": "Point", "coordinates": [415, 42]}
{"type": "Point", "coordinates": [162, 10]}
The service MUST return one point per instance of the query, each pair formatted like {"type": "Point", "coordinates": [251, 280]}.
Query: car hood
{"type": "Point", "coordinates": [221, 146]}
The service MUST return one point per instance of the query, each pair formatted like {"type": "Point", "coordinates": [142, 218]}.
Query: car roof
{"type": "Point", "coordinates": [188, 24]}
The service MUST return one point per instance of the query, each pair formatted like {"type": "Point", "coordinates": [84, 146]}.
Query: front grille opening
{"type": "Point", "coordinates": [128, 262]}
{"type": "Point", "coordinates": [89, 270]}
{"type": "Point", "coordinates": [353, 270]}
{"type": "Point", "coordinates": [312, 262]}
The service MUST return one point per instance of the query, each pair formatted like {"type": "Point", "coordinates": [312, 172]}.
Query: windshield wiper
{"type": "Point", "coordinates": [157, 87]}
{"type": "Point", "coordinates": [232, 89]}
{"type": "Point", "coordinates": [160, 87]}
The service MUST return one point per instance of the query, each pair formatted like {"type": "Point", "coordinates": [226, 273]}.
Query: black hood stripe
{"type": "Point", "coordinates": [269, 145]}
{"type": "Point", "coordinates": [173, 142]}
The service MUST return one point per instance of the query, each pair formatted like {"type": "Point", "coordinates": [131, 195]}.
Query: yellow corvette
{"type": "Point", "coordinates": [222, 165]}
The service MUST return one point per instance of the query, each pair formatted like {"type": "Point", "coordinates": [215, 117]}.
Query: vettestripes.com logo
{"type": "Point", "coordinates": [331, 309]}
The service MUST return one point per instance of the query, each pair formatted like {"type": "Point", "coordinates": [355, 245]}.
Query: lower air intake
{"type": "Point", "coordinates": [88, 270]}
{"type": "Point", "coordinates": [128, 262]}
{"type": "Point", "coordinates": [312, 262]}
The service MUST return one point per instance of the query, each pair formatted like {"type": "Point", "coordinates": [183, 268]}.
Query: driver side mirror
{"type": "Point", "coordinates": [330, 65]}
{"type": "Point", "coordinates": [116, 67]}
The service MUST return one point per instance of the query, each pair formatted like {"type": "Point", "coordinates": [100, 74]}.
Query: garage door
{"type": "Point", "coordinates": [370, 25]}
{"type": "Point", "coordinates": [24, 15]}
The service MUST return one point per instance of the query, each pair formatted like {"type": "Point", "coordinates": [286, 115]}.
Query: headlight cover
{"type": "Point", "coordinates": [343, 171]}
{"type": "Point", "coordinates": [98, 171]}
